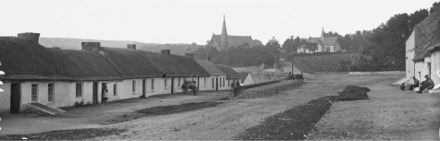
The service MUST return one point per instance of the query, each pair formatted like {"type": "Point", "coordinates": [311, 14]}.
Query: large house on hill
{"type": "Point", "coordinates": [423, 50]}
{"type": "Point", "coordinates": [324, 44]}
{"type": "Point", "coordinates": [223, 41]}
{"type": "Point", "coordinates": [62, 78]}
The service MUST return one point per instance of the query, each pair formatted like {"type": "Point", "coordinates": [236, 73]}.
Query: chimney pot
{"type": "Point", "coordinates": [165, 51]}
{"type": "Point", "coordinates": [30, 36]}
{"type": "Point", "coordinates": [131, 46]}
{"type": "Point", "coordinates": [91, 46]}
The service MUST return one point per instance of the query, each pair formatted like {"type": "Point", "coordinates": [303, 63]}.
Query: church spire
{"type": "Point", "coordinates": [322, 33]}
{"type": "Point", "coordinates": [224, 32]}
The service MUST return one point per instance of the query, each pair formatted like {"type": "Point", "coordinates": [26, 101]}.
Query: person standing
{"type": "Point", "coordinates": [105, 95]}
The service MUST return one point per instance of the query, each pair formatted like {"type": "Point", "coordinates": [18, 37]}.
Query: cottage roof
{"type": "Point", "coordinates": [26, 60]}
{"type": "Point", "coordinates": [83, 65]}
{"type": "Point", "coordinates": [424, 33]}
{"type": "Point", "coordinates": [22, 59]}
{"type": "Point", "coordinates": [230, 73]}
{"type": "Point", "coordinates": [210, 67]}
{"type": "Point", "coordinates": [235, 41]}
{"type": "Point", "coordinates": [136, 63]}
{"type": "Point", "coordinates": [243, 76]}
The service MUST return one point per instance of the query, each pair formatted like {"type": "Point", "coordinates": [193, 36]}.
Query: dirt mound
{"type": "Point", "coordinates": [352, 92]}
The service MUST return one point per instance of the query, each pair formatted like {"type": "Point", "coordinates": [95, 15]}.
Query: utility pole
{"type": "Point", "coordinates": [291, 53]}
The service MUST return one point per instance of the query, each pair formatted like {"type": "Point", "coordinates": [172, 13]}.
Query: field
{"type": "Point", "coordinates": [327, 63]}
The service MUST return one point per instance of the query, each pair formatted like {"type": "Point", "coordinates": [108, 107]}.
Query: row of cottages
{"type": "Point", "coordinates": [422, 50]}
{"type": "Point", "coordinates": [61, 78]}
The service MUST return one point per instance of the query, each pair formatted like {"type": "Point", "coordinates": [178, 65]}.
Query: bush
{"type": "Point", "coordinates": [353, 93]}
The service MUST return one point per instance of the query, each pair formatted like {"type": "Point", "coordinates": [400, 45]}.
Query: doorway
{"type": "Point", "coordinates": [144, 89]}
{"type": "Point", "coordinates": [95, 92]}
{"type": "Point", "coordinates": [15, 98]}
{"type": "Point", "coordinates": [103, 90]}
{"type": "Point", "coordinates": [216, 84]}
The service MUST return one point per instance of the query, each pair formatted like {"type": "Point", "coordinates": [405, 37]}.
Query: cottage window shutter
{"type": "Point", "coordinates": [1, 82]}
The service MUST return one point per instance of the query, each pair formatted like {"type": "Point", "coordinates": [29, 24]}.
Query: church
{"type": "Point", "coordinates": [223, 41]}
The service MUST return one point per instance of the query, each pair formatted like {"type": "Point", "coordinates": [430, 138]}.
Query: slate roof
{"type": "Point", "coordinates": [211, 68]}
{"type": "Point", "coordinates": [235, 41]}
{"type": "Point", "coordinates": [424, 32]}
{"type": "Point", "coordinates": [327, 41]}
{"type": "Point", "coordinates": [230, 73]}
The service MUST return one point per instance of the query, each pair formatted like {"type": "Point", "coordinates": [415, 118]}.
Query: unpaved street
{"type": "Point", "coordinates": [229, 119]}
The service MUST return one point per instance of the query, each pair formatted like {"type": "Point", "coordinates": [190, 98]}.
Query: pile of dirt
{"type": "Point", "coordinates": [352, 92]}
{"type": "Point", "coordinates": [171, 109]}
{"type": "Point", "coordinates": [293, 124]}
{"type": "Point", "coordinates": [75, 134]}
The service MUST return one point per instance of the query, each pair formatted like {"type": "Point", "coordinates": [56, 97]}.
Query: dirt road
{"type": "Point", "coordinates": [388, 114]}
{"type": "Point", "coordinates": [229, 119]}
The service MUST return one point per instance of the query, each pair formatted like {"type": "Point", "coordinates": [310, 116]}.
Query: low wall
{"type": "Point", "coordinates": [263, 77]}
{"type": "Point", "coordinates": [378, 73]}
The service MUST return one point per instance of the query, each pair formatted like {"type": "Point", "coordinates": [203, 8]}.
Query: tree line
{"type": "Point", "coordinates": [382, 48]}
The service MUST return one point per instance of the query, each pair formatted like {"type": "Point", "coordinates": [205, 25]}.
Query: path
{"type": "Point", "coordinates": [229, 119]}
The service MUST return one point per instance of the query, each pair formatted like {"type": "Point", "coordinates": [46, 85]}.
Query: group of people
{"type": "Point", "coordinates": [428, 83]}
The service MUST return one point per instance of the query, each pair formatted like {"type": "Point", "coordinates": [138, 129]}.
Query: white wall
{"type": "Point", "coordinates": [435, 66]}
{"type": "Point", "coordinates": [409, 53]}
{"type": "Point", "coordinates": [249, 80]}
{"type": "Point", "coordinates": [5, 97]}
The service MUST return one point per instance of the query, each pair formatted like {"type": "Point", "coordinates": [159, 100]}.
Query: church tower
{"type": "Point", "coordinates": [322, 33]}
{"type": "Point", "coordinates": [224, 36]}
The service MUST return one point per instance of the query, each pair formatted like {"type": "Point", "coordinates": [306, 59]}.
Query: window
{"type": "Point", "coordinates": [212, 83]}
{"type": "Point", "coordinates": [50, 91]}
{"type": "Point", "coordinates": [133, 86]}
{"type": "Point", "coordinates": [152, 84]}
{"type": "Point", "coordinates": [204, 82]}
{"type": "Point", "coordinates": [78, 90]}
{"type": "Point", "coordinates": [224, 83]}
{"type": "Point", "coordinates": [165, 83]}
{"type": "Point", "coordinates": [34, 92]}
{"type": "Point", "coordinates": [178, 83]}
{"type": "Point", "coordinates": [327, 49]}
{"type": "Point", "coordinates": [115, 89]}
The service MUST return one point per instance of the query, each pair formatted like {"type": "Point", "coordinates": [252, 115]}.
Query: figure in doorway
{"type": "Point", "coordinates": [104, 94]}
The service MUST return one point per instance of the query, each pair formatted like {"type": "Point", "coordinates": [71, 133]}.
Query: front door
{"type": "Point", "coordinates": [15, 98]}
{"type": "Point", "coordinates": [216, 84]}
{"type": "Point", "coordinates": [95, 92]}
{"type": "Point", "coordinates": [172, 85]}
{"type": "Point", "coordinates": [144, 84]}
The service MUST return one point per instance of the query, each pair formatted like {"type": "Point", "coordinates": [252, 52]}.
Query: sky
{"type": "Point", "coordinates": [189, 21]}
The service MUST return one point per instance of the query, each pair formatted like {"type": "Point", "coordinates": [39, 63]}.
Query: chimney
{"type": "Point", "coordinates": [30, 36]}
{"type": "Point", "coordinates": [91, 46]}
{"type": "Point", "coordinates": [165, 51]}
{"type": "Point", "coordinates": [189, 55]}
{"type": "Point", "coordinates": [131, 46]}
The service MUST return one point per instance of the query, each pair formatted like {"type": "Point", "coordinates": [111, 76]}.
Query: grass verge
{"type": "Point", "coordinates": [292, 124]}
{"type": "Point", "coordinates": [75, 134]}
{"type": "Point", "coordinates": [162, 110]}
{"type": "Point", "coordinates": [265, 91]}
{"type": "Point", "coordinates": [171, 109]}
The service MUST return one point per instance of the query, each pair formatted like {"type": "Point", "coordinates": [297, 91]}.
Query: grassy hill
{"type": "Point", "coordinates": [75, 44]}
{"type": "Point", "coordinates": [327, 63]}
